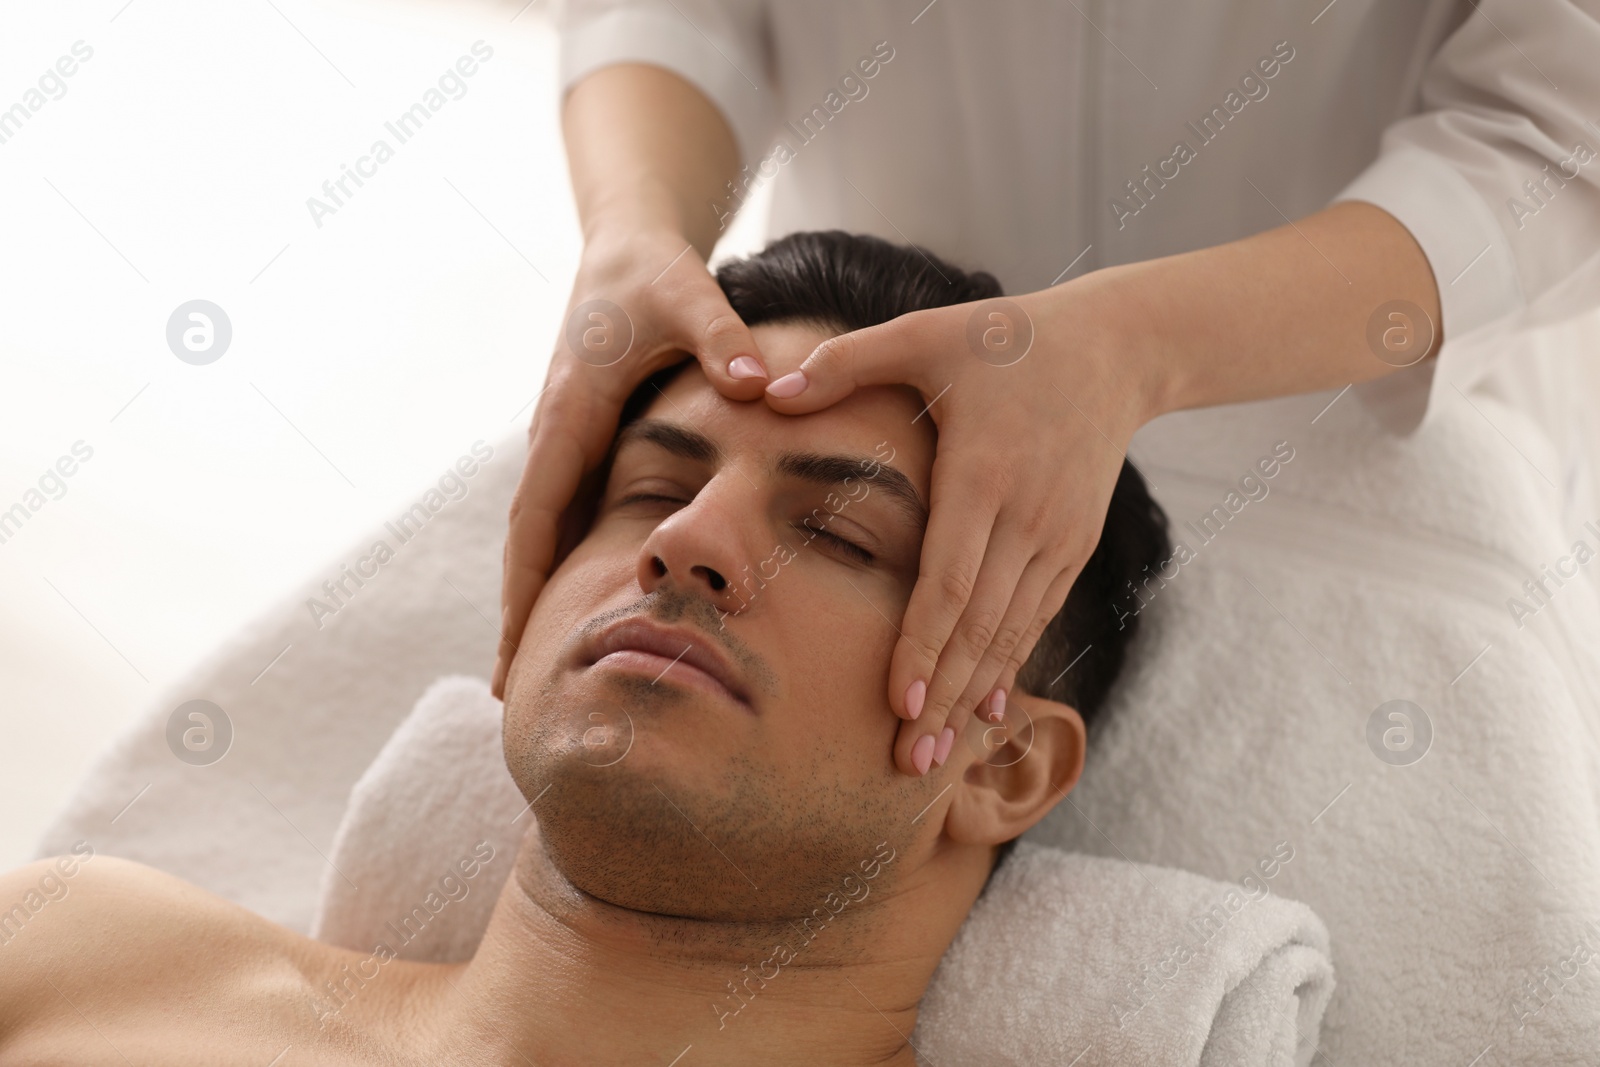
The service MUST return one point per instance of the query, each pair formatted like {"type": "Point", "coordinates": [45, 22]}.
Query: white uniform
{"type": "Point", "coordinates": [1041, 140]}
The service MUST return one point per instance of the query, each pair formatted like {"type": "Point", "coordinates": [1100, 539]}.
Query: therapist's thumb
{"type": "Point", "coordinates": [878, 355]}
{"type": "Point", "coordinates": [719, 339]}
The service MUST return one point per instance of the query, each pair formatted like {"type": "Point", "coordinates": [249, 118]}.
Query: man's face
{"type": "Point", "coordinates": [782, 547]}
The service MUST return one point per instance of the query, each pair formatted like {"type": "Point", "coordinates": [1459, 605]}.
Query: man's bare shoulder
{"type": "Point", "coordinates": [87, 936]}
{"type": "Point", "coordinates": [77, 909]}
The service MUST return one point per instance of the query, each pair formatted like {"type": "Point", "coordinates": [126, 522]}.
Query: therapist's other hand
{"type": "Point", "coordinates": [1035, 403]}
{"type": "Point", "coordinates": [641, 299]}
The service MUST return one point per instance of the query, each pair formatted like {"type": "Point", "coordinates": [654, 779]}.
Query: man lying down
{"type": "Point", "coordinates": [752, 881]}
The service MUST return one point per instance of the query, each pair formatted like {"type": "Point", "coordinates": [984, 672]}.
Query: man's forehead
{"type": "Point", "coordinates": [869, 415]}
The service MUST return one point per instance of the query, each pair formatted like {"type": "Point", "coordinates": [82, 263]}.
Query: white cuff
{"type": "Point", "coordinates": [1472, 266]}
{"type": "Point", "coordinates": [728, 78]}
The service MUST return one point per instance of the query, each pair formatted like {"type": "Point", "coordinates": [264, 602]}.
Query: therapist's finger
{"type": "Point", "coordinates": [727, 352]}
{"type": "Point", "coordinates": [961, 515]}
{"type": "Point", "coordinates": [951, 699]}
{"type": "Point", "coordinates": [877, 355]}
{"type": "Point", "coordinates": [1041, 591]}
{"type": "Point", "coordinates": [550, 477]}
{"type": "Point", "coordinates": [691, 313]}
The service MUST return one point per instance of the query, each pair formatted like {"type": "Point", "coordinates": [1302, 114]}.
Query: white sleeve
{"type": "Point", "coordinates": [719, 46]}
{"type": "Point", "coordinates": [1511, 97]}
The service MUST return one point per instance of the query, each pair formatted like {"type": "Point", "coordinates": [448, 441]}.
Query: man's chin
{"type": "Point", "coordinates": [622, 790]}
{"type": "Point", "coordinates": [623, 834]}
{"type": "Point", "coordinates": [662, 808]}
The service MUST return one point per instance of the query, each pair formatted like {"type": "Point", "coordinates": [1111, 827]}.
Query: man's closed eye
{"type": "Point", "coordinates": [834, 541]}
{"type": "Point", "coordinates": [849, 548]}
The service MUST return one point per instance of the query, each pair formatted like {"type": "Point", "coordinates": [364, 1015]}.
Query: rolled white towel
{"type": "Point", "coordinates": [1074, 959]}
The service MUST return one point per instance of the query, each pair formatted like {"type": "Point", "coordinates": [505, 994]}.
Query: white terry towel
{"type": "Point", "coordinates": [1075, 959]}
{"type": "Point", "coordinates": [1066, 958]}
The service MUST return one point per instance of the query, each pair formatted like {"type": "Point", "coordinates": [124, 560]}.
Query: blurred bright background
{"type": "Point", "coordinates": [367, 353]}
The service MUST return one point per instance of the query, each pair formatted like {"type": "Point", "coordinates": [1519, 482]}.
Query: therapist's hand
{"type": "Point", "coordinates": [1035, 403]}
{"type": "Point", "coordinates": [640, 300]}
{"type": "Point", "coordinates": [1029, 453]}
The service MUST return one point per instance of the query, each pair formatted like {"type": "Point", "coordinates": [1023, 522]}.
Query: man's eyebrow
{"type": "Point", "coordinates": [675, 438]}
{"type": "Point", "coordinates": [814, 467]}
{"type": "Point", "coordinates": [823, 469]}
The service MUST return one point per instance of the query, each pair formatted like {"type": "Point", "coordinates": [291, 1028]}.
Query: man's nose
{"type": "Point", "coordinates": [698, 549]}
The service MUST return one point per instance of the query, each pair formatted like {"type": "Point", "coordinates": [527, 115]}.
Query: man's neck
{"type": "Point", "coordinates": [562, 977]}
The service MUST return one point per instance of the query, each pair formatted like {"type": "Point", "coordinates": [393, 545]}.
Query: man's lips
{"type": "Point", "coordinates": [640, 644]}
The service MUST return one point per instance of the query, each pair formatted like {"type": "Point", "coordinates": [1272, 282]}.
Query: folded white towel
{"type": "Point", "coordinates": [1065, 958]}
{"type": "Point", "coordinates": [1075, 959]}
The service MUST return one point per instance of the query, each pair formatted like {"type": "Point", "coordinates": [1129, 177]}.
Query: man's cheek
{"type": "Point", "coordinates": [582, 586]}
{"type": "Point", "coordinates": [848, 663]}
{"type": "Point", "coordinates": [604, 561]}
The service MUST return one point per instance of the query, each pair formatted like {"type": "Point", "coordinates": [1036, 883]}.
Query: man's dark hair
{"type": "Point", "coordinates": [842, 282]}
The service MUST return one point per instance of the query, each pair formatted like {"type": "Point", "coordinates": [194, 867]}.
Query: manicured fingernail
{"type": "Point", "coordinates": [914, 694]}
{"type": "Point", "coordinates": [746, 367]}
{"type": "Point", "coordinates": [791, 384]}
{"type": "Point", "coordinates": [922, 753]}
{"type": "Point", "coordinates": [997, 705]}
{"type": "Point", "coordinates": [941, 748]}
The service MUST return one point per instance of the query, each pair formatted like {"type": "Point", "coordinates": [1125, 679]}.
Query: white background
{"type": "Point", "coordinates": [366, 355]}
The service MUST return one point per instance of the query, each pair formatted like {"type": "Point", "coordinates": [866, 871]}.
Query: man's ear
{"type": "Point", "coordinates": [1017, 771]}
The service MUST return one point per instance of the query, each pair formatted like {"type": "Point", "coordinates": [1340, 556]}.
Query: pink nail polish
{"type": "Point", "coordinates": [790, 385]}
{"type": "Point", "coordinates": [746, 367]}
{"type": "Point", "coordinates": [941, 748]}
{"type": "Point", "coordinates": [915, 692]}
{"type": "Point", "coordinates": [922, 753]}
{"type": "Point", "coordinates": [997, 705]}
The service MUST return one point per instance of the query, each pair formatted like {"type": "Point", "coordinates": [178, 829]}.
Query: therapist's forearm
{"type": "Point", "coordinates": [1284, 311]}
{"type": "Point", "coordinates": [647, 150]}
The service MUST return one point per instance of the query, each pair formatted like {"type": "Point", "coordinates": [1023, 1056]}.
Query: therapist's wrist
{"type": "Point", "coordinates": [621, 255]}
{"type": "Point", "coordinates": [1140, 329]}
{"type": "Point", "coordinates": [1094, 330]}
{"type": "Point", "coordinates": [647, 211]}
